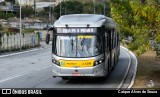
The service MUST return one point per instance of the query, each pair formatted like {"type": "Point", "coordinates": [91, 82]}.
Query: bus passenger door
{"type": "Point", "coordinates": [118, 46]}
{"type": "Point", "coordinates": [107, 53]}
{"type": "Point", "coordinates": [110, 44]}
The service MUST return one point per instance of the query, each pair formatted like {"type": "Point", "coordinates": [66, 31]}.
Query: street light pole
{"type": "Point", "coordinates": [20, 26]}
{"type": "Point", "coordinates": [34, 8]}
{"type": "Point", "coordinates": [104, 7]}
{"type": "Point", "coordinates": [60, 8]}
{"type": "Point", "coordinates": [94, 6]}
{"type": "Point", "coordinates": [50, 13]}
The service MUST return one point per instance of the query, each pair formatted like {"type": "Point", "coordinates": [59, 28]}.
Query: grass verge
{"type": "Point", "coordinates": [148, 69]}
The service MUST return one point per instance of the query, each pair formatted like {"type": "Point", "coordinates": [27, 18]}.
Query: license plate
{"type": "Point", "coordinates": [76, 74]}
{"type": "Point", "coordinates": [77, 63]}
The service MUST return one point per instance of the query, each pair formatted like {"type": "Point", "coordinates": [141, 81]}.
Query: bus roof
{"type": "Point", "coordinates": [84, 20]}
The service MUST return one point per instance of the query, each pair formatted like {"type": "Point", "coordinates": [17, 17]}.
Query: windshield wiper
{"type": "Point", "coordinates": [72, 43]}
{"type": "Point", "coordinates": [82, 43]}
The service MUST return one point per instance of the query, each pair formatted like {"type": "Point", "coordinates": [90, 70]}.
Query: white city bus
{"type": "Point", "coordinates": [84, 45]}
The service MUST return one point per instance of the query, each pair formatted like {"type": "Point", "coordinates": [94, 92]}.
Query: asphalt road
{"type": "Point", "coordinates": [33, 70]}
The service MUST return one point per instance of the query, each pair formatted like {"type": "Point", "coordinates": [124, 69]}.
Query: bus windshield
{"type": "Point", "coordinates": [77, 46]}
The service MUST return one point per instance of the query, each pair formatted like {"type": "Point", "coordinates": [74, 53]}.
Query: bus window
{"type": "Point", "coordinates": [113, 39]}
{"type": "Point", "coordinates": [66, 46]}
{"type": "Point", "coordinates": [88, 46]}
{"type": "Point", "coordinates": [78, 46]}
{"type": "Point", "coordinates": [117, 39]}
{"type": "Point", "coordinates": [106, 42]}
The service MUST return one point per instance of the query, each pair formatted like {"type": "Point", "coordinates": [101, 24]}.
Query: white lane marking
{"type": "Point", "coordinates": [120, 85]}
{"type": "Point", "coordinates": [134, 75]}
{"type": "Point", "coordinates": [21, 74]}
{"type": "Point", "coordinates": [20, 53]}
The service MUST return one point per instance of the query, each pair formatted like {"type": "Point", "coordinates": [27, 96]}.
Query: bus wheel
{"type": "Point", "coordinates": [109, 65]}
{"type": "Point", "coordinates": [104, 77]}
{"type": "Point", "coordinates": [64, 78]}
{"type": "Point", "coordinates": [114, 63]}
{"type": "Point", "coordinates": [107, 73]}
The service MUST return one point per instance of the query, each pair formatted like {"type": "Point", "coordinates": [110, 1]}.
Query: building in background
{"type": "Point", "coordinates": [26, 2]}
{"type": "Point", "coordinates": [1, 0]}
{"type": "Point", "coordinates": [31, 2]}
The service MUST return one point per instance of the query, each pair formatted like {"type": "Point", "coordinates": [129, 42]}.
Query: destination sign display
{"type": "Point", "coordinates": [76, 30]}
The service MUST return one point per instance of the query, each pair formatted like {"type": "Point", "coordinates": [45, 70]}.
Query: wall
{"type": "Point", "coordinates": [12, 42]}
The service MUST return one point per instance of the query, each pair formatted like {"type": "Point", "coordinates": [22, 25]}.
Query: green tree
{"type": "Point", "coordinates": [2, 14]}
{"type": "Point", "coordinates": [47, 10]}
{"type": "Point", "coordinates": [88, 8]}
{"type": "Point", "coordinates": [107, 9]}
{"type": "Point", "coordinates": [68, 7]}
{"type": "Point", "coordinates": [139, 19]}
{"type": "Point", "coordinates": [1, 34]}
{"type": "Point", "coordinates": [81, 6]}
{"type": "Point", "coordinates": [27, 11]}
{"type": "Point", "coordinates": [1, 28]}
{"type": "Point", "coordinates": [9, 15]}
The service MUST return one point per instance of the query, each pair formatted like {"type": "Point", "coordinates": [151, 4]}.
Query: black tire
{"type": "Point", "coordinates": [108, 71]}
{"type": "Point", "coordinates": [114, 62]}
{"type": "Point", "coordinates": [109, 66]}
{"type": "Point", "coordinates": [103, 78]}
{"type": "Point", "coordinates": [64, 78]}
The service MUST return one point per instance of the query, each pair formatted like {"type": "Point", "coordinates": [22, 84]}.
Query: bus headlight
{"type": "Point", "coordinates": [100, 61]}
{"type": "Point", "coordinates": [55, 62]}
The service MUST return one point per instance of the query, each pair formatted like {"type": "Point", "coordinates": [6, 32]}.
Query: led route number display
{"type": "Point", "coordinates": [76, 30]}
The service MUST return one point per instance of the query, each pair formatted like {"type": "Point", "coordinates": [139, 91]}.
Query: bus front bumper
{"type": "Point", "coordinates": [96, 71]}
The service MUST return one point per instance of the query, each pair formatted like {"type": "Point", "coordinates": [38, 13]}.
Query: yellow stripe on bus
{"type": "Point", "coordinates": [76, 63]}
{"type": "Point", "coordinates": [85, 36]}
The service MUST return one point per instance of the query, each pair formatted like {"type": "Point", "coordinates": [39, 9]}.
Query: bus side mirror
{"type": "Point", "coordinates": [47, 38]}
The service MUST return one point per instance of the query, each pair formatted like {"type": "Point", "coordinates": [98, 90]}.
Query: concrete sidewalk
{"type": "Point", "coordinates": [43, 45]}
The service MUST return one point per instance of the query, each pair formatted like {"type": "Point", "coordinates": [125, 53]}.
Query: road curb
{"type": "Point", "coordinates": [25, 51]}
{"type": "Point", "coordinates": [120, 85]}
{"type": "Point", "coordinates": [17, 53]}
{"type": "Point", "coordinates": [134, 75]}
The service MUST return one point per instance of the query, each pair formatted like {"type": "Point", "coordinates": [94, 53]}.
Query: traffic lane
{"type": "Point", "coordinates": [17, 64]}
{"type": "Point", "coordinates": [27, 80]}
{"type": "Point", "coordinates": [113, 80]}
{"type": "Point", "coordinates": [42, 78]}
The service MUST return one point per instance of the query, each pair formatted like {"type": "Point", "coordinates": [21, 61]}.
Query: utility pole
{"type": "Point", "coordinates": [20, 26]}
{"type": "Point", "coordinates": [50, 13]}
{"type": "Point", "coordinates": [65, 8]}
{"type": "Point", "coordinates": [104, 7]}
{"type": "Point", "coordinates": [94, 6]}
{"type": "Point", "coordinates": [34, 8]}
{"type": "Point", "coordinates": [60, 8]}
